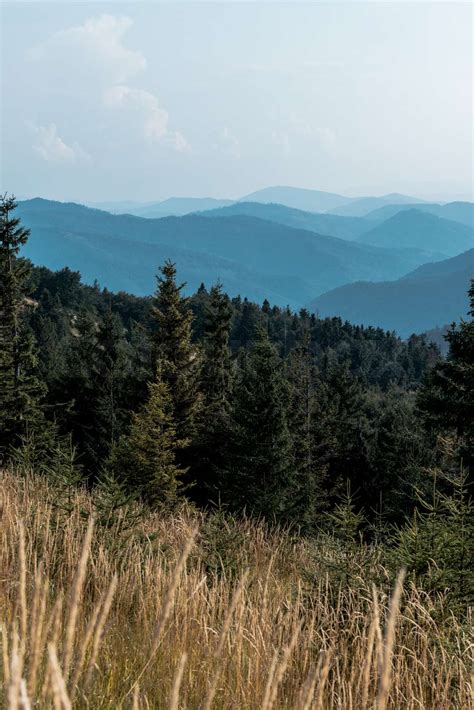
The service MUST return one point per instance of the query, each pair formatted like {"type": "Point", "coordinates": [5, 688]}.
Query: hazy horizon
{"type": "Point", "coordinates": [141, 102]}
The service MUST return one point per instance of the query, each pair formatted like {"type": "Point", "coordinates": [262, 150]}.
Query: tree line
{"type": "Point", "coordinates": [253, 409]}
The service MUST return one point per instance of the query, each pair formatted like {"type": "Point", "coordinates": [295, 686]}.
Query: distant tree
{"type": "Point", "coordinates": [20, 388]}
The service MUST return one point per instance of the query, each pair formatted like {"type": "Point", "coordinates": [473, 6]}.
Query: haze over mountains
{"type": "Point", "coordinates": [298, 198]}
{"type": "Point", "coordinates": [262, 249]}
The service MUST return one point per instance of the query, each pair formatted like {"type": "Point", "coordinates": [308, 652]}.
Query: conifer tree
{"type": "Point", "coordinates": [310, 468]}
{"type": "Point", "coordinates": [261, 475]}
{"type": "Point", "coordinates": [76, 391]}
{"type": "Point", "coordinates": [174, 354]}
{"type": "Point", "coordinates": [447, 398]}
{"type": "Point", "coordinates": [20, 389]}
{"type": "Point", "coordinates": [216, 386]}
{"type": "Point", "coordinates": [144, 461]}
{"type": "Point", "coordinates": [111, 370]}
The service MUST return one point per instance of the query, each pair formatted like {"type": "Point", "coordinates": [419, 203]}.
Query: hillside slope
{"type": "Point", "coordinates": [421, 230]}
{"type": "Point", "coordinates": [430, 296]}
{"type": "Point", "coordinates": [462, 212]}
{"type": "Point", "coordinates": [332, 225]}
{"type": "Point", "coordinates": [249, 255]}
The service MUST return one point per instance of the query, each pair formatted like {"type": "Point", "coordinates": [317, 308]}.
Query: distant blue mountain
{"type": "Point", "coordinates": [251, 256]}
{"type": "Point", "coordinates": [429, 297]}
{"type": "Point", "coordinates": [299, 198]}
{"type": "Point", "coordinates": [361, 206]}
{"type": "Point", "coordinates": [462, 212]}
{"type": "Point", "coordinates": [333, 225]}
{"type": "Point", "coordinates": [421, 230]}
{"type": "Point", "coordinates": [172, 207]}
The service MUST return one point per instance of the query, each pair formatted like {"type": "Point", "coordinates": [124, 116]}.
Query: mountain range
{"type": "Point", "coordinates": [341, 265]}
{"type": "Point", "coordinates": [295, 197]}
{"type": "Point", "coordinates": [251, 256]}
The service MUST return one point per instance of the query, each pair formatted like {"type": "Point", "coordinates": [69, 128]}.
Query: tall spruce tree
{"type": "Point", "coordinates": [447, 398]}
{"type": "Point", "coordinates": [20, 389]}
{"type": "Point", "coordinates": [310, 497]}
{"type": "Point", "coordinates": [217, 376]}
{"type": "Point", "coordinates": [110, 376]}
{"type": "Point", "coordinates": [261, 473]}
{"type": "Point", "coordinates": [174, 354]}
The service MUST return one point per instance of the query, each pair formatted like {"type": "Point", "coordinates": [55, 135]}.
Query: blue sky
{"type": "Point", "coordinates": [141, 101]}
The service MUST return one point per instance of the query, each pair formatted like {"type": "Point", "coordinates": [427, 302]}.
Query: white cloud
{"type": "Point", "coordinates": [99, 44]}
{"type": "Point", "coordinates": [91, 61]}
{"type": "Point", "coordinates": [52, 148]}
{"type": "Point", "coordinates": [144, 106]}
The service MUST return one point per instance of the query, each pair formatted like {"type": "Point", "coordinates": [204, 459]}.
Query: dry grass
{"type": "Point", "coordinates": [102, 617]}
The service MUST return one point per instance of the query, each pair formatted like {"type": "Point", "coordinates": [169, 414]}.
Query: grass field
{"type": "Point", "coordinates": [189, 611]}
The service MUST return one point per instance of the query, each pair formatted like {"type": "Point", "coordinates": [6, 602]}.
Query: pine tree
{"type": "Point", "coordinates": [447, 398]}
{"type": "Point", "coordinates": [174, 354]}
{"type": "Point", "coordinates": [310, 469]}
{"type": "Point", "coordinates": [437, 544]}
{"type": "Point", "coordinates": [341, 428]}
{"type": "Point", "coordinates": [110, 374]}
{"type": "Point", "coordinates": [20, 389]}
{"type": "Point", "coordinates": [144, 461]}
{"type": "Point", "coordinates": [76, 391]}
{"type": "Point", "coordinates": [216, 385]}
{"type": "Point", "coordinates": [261, 474]}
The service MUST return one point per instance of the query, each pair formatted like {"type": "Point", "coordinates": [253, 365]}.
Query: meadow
{"type": "Point", "coordinates": [133, 609]}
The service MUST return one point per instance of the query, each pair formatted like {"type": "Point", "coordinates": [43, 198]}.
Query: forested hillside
{"type": "Point", "coordinates": [257, 407]}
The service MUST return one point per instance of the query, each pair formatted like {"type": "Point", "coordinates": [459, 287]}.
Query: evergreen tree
{"type": "Point", "coordinates": [447, 398]}
{"type": "Point", "coordinates": [261, 475]}
{"type": "Point", "coordinates": [76, 391]}
{"type": "Point", "coordinates": [20, 389]}
{"type": "Point", "coordinates": [144, 461]}
{"type": "Point", "coordinates": [174, 354]}
{"type": "Point", "coordinates": [110, 374]}
{"type": "Point", "coordinates": [311, 471]}
{"type": "Point", "coordinates": [341, 429]}
{"type": "Point", "coordinates": [437, 544]}
{"type": "Point", "coordinates": [216, 385]}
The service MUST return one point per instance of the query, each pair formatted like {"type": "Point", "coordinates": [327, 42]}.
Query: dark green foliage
{"type": "Point", "coordinates": [308, 445]}
{"type": "Point", "coordinates": [437, 545]}
{"type": "Point", "coordinates": [144, 460]}
{"type": "Point", "coordinates": [217, 380]}
{"type": "Point", "coordinates": [261, 475]}
{"type": "Point", "coordinates": [447, 399]}
{"type": "Point", "coordinates": [173, 352]}
{"type": "Point", "coordinates": [20, 389]}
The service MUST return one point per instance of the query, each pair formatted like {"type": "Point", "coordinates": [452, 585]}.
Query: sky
{"type": "Point", "coordinates": [142, 101]}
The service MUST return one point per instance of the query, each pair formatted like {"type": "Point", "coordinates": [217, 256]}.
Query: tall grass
{"type": "Point", "coordinates": [183, 611]}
